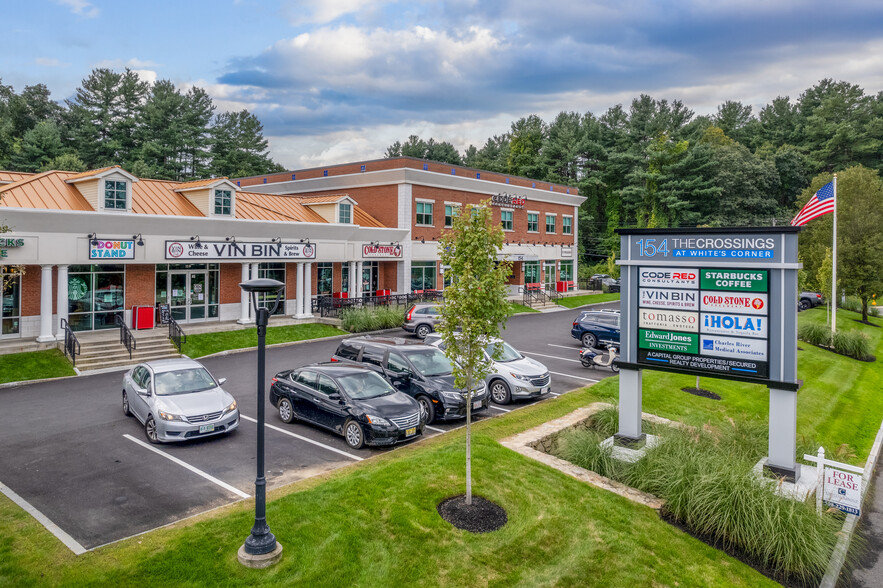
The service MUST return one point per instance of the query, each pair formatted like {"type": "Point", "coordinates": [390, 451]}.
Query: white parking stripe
{"type": "Point", "coordinates": [574, 377]}
{"type": "Point", "coordinates": [571, 347]}
{"type": "Point", "coordinates": [26, 506]}
{"type": "Point", "coordinates": [434, 429]}
{"type": "Point", "coordinates": [290, 434]}
{"type": "Point", "coordinates": [498, 408]}
{"type": "Point", "coordinates": [186, 465]}
{"type": "Point", "coordinates": [552, 356]}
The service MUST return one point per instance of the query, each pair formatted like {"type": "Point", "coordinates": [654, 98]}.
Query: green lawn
{"type": "Point", "coordinates": [518, 308]}
{"type": "Point", "coordinates": [34, 365]}
{"type": "Point", "coordinates": [375, 523]}
{"type": "Point", "coordinates": [574, 301]}
{"type": "Point", "coordinates": [208, 343]}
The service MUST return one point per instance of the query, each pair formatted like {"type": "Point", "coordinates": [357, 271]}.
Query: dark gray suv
{"type": "Point", "coordinates": [421, 371]}
{"type": "Point", "coordinates": [421, 319]}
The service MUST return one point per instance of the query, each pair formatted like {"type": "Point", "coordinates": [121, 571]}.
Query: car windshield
{"type": "Point", "coordinates": [507, 352]}
{"type": "Point", "coordinates": [365, 385]}
{"type": "Point", "coordinates": [183, 381]}
{"type": "Point", "coordinates": [430, 362]}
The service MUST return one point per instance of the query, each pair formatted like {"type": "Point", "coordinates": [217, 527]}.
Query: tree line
{"type": "Point", "coordinates": [115, 118]}
{"type": "Point", "coordinates": [657, 164]}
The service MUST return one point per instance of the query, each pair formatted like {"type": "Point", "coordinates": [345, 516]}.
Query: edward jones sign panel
{"type": "Point", "coordinates": [669, 298]}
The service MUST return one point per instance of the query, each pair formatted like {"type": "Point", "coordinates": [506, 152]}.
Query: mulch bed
{"type": "Point", "coordinates": [869, 323]}
{"type": "Point", "coordinates": [482, 516]}
{"type": "Point", "coordinates": [701, 392]}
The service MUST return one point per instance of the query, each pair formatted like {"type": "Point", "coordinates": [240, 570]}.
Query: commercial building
{"type": "Point", "coordinates": [83, 248]}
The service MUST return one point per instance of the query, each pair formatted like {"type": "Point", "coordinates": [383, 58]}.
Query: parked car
{"type": "Point", "coordinates": [348, 399]}
{"type": "Point", "coordinates": [809, 300]}
{"type": "Point", "coordinates": [512, 376]}
{"type": "Point", "coordinates": [420, 371]}
{"type": "Point", "coordinates": [178, 399]}
{"type": "Point", "coordinates": [594, 326]}
{"type": "Point", "coordinates": [421, 319]}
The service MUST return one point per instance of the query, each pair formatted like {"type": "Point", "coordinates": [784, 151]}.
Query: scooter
{"type": "Point", "coordinates": [592, 358]}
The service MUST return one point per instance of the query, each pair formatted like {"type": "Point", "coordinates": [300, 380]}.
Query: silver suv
{"type": "Point", "coordinates": [421, 319]}
{"type": "Point", "coordinates": [512, 376]}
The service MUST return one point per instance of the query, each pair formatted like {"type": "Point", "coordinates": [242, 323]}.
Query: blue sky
{"type": "Point", "coordinates": [340, 80]}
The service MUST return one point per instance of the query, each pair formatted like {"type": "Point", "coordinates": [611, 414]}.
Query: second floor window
{"type": "Point", "coordinates": [566, 225]}
{"type": "Point", "coordinates": [450, 212]}
{"type": "Point", "coordinates": [223, 202]}
{"type": "Point", "coordinates": [345, 213]}
{"type": "Point", "coordinates": [506, 219]}
{"type": "Point", "coordinates": [533, 222]}
{"type": "Point", "coordinates": [114, 195]}
{"type": "Point", "coordinates": [550, 223]}
{"type": "Point", "coordinates": [424, 213]}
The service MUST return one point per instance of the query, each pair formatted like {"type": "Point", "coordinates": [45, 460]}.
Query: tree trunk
{"type": "Point", "coordinates": [469, 441]}
{"type": "Point", "coordinates": [864, 309]}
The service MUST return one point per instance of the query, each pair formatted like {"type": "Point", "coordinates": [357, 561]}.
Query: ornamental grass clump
{"type": "Point", "coordinates": [705, 477]}
{"type": "Point", "coordinates": [359, 320]}
{"type": "Point", "coordinates": [815, 334]}
{"type": "Point", "coordinates": [852, 344]}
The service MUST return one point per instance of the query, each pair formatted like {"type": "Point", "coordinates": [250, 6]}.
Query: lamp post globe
{"type": "Point", "coordinates": [260, 548]}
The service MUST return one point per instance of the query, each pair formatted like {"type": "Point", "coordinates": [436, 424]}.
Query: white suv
{"type": "Point", "coordinates": [512, 376]}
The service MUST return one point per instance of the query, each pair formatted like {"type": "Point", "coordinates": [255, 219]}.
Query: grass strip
{"type": "Point", "coordinates": [34, 365]}
{"type": "Point", "coordinates": [576, 301]}
{"type": "Point", "coordinates": [208, 343]}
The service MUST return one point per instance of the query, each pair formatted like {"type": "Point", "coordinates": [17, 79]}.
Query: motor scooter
{"type": "Point", "coordinates": [592, 358]}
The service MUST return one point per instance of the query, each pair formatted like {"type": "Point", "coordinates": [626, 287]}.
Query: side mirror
{"type": "Point", "coordinates": [221, 381]}
{"type": "Point", "coordinates": [142, 391]}
{"type": "Point", "coordinates": [334, 396]}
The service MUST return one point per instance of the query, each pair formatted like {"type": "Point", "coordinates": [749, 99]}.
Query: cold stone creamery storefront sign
{"type": "Point", "coordinates": [245, 250]}
{"type": "Point", "coordinates": [375, 251]}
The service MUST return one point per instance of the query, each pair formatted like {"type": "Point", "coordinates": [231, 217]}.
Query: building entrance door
{"type": "Point", "coordinates": [549, 275]}
{"type": "Point", "coordinates": [188, 299]}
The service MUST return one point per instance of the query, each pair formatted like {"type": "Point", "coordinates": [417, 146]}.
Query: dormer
{"type": "Point", "coordinates": [106, 190]}
{"type": "Point", "coordinates": [338, 208]}
{"type": "Point", "coordinates": [215, 197]}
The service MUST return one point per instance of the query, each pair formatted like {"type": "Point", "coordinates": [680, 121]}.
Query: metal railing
{"type": "Point", "coordinates": [176, 334]}
{"type": "Point", "coordinates": [552, 295]}
{"type": "Point", "coordinates": [126, 337]}
{"type": "Point", "coordinates": [71, 345]}
{"type": "Point", "coordinates": [533, 296]}
{"type": "Point", "coordinates": [328, 306]}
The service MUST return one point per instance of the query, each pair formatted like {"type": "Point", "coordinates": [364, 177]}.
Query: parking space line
{"type": "Point", "coordinates": [186, 465]}
{"type": "Point", "coordinates": [551, 356]}
{"type": "Point", "coordinates": [574, 377]}
{"type": "Point", "coordinates": [26, 506]}
{"type": "Point", "coordinates": [434, 429]}
{"type": "Point", "coordinates": [498, 408]}
{"type": "Point", "coordinates": [571, 347]}
{"type": "Point", "coordinates": [296, 436]}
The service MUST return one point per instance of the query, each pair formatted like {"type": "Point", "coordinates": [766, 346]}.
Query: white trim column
{"type": "Point", "coordinates": [351, 285]}
{"type": "Point", "coordinates": [61, 301]}
{"type": "Point", "coordinates": [46, 304]}
{"type": "Point", "coordinates": [244, 298]}
{"type": "Point", "coordinates": [359, 269]}
{"type": "Point", "coordinates": [308, 290]}
{"type": "Point", "coordinates": [299, 291]}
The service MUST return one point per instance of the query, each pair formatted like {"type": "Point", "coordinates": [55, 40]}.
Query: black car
{"type": "Point", "coordinates": [421, 371]}
{"type": "Point", "coordinates": [809, 300]}
{"type": "Point", "coordinates": [350, 400]}
{"type": "Point", "coordinates": [594, 326]}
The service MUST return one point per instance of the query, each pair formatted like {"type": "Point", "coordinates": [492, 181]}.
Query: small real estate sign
{"type": "Point", "coordinates": [238, 250]}
{"type": "Point", "coordinates": [843, 490]}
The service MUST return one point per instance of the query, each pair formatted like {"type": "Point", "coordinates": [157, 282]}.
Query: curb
{"type": "Point", "coordinates": [835, 565]}
{"type": "Point", "coordinates": [290, 343]}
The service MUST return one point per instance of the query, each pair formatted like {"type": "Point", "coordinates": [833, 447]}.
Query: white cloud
{"type": "Point", "coordinates": [325, 11]}
{"type": "Point", "coordinates": [81, 7]}
{"type": "Point", "coordinates": [50, 62]}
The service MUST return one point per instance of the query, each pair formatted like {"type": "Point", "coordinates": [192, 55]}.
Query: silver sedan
{"type": "Point", "coordinates": [178, 399]}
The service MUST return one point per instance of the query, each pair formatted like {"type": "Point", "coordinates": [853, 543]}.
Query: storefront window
{"type": "Point", "coordinates": [10, 300]}
{"type": "Point", "coordinates": [344, 277]}
{"type": "Point", "coordinates": [422, 275]}
{"type": "Point", "coordinates": [273, 271]}
{"type": "Point", "coordinates": [566, 270]}
{"type": "Point", "coordinates": [96, 294]}
{"type": "Point", "coordinates": [369, 277]}
{"type": "Point", "coordinates": [324, 279]}
{"type": "Point", "coordinates": [531, 272]}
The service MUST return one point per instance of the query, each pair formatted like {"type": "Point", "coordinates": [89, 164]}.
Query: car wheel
{"type": "Point", "coordinates": [803, 304]}
{"type": "Point", "coordinates": [422, 331]}
{"type": "Point", "coordinates": [286, 411]}
{"type": "Point", "coordinates": [150, 429]}
{"type": "Point", "coordinates": [126, 410]}
{"type": "Point", "coordinates": [500, 392]}
{"type": "Point", "coordinates": [353, 434]}
{"type": "Point", "coordinates": [589, 340]}
{"type": "Point", "coordinates": [426, 409]}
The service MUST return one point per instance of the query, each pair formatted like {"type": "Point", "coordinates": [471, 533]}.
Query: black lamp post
{"type": "Point", "coordinates": [261, 542]}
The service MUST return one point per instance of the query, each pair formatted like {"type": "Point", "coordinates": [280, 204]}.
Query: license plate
{"type": "Point", "coordinates": [476, 405]}
{"type": "Point", "coordinates": [206, 428]}
{"type": "Point", "coordinates": [411, 432]}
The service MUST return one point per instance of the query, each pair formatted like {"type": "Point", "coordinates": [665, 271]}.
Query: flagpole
{"type": "Point", "coordinates": [834, 267]}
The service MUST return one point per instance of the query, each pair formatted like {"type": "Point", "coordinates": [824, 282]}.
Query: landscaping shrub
{"type": "Point", "coordinates": [815, 334]}
{"type": "Point", "coordinates": [359, 320]}
{"type": "Point", "coordinates": [849, 343]}
{"type": "Point", "coordinates": [855, 305]}
{"type": "Point", "coordinates": [706, 480]}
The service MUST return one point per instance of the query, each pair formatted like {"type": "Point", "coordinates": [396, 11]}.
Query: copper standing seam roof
{"type": "Point", "coordinates": [7, 177]}
{"type": "Point", "coordinates": [91, 172]}
{"type": "Point", "coordinates": [326, 199]}
{"type": "Point", "coordinates": [46, 190]}
{"type": "Point", "coordinates": [198, 183]}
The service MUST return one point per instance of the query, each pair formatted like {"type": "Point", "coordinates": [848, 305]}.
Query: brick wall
{"type": "Point", "coordinates": [140, 285]}
{"type": "Point", "coordinates": [30, 291]}
{"type": "Point", "coordinates": [231, 275]}
{"type": "Point", "coordinates": [388, 276]}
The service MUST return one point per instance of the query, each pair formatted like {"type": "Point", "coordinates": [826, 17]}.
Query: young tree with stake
{"type": "Point", "coordinates": [475, 302]}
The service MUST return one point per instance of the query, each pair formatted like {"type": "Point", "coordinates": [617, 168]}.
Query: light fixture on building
{"type": "Point", "coordinates": [231, 238]}
{"type": "Point", "coordinates": [276, 240]}
{"type": "Point", "coordinates": [140, 242]}
{"type": "Point", "coordinates": [91, 237]}
{"type": "Point", "coordinates": [195, 238]}
{"type": "Point", "coordinates": [422, 240]}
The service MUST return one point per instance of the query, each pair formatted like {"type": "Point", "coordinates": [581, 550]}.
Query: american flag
{"type": "Point", "coordinates": [821, 203]}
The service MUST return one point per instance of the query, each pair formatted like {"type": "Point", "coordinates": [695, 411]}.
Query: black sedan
{"type": "Point", "coordinates": [350, 400]}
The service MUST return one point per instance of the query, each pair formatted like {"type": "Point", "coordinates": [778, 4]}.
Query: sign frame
{"type": "Point", "coordinates": [237, 251]}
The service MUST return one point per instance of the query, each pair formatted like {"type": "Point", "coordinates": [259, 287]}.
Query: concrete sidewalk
{"type": "Point", "coordinates": [868, 572]}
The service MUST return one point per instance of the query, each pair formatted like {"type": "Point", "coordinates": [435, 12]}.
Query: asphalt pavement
{"type": "Point", "coordinates": [72, 458]}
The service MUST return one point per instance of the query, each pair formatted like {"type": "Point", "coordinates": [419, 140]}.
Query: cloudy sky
{"type": "Point", "coordinates": [340, 80]}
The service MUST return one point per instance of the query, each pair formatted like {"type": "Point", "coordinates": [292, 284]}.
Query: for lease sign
{"type": "Point", "coordinates": [668, 320]}
{"type": "Point", "coordinates": [747, 303]}
{"type": "Point", "coordinates": [669, 298]}
{"type": "Point", "coordinates": [843, 490]}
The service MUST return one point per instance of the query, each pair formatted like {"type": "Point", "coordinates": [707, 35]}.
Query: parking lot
{"type": "Point", "coordinates": [88, 473]}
